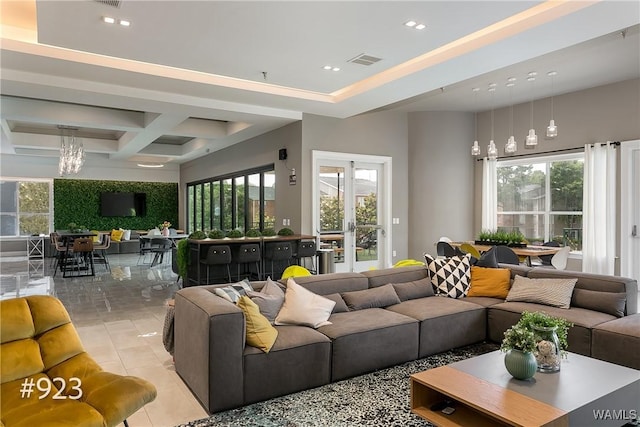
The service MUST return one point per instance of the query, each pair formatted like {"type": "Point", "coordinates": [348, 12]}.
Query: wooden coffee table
{"type": "Point", "coordinates": [485, 394]}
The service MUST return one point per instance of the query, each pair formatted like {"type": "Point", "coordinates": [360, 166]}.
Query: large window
{"type": "Point", "coordinates": [25, 207]}
{"type": "Point", "coordinates": [542, 198]}
{"type": "Point", "coordinates": [241, 200]}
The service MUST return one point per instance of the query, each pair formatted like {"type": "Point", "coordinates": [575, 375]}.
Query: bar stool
{"type": "Point", "coordinates": [102, 247]}
{"type": "Point", "coordinates": [307, 249]}
{"type": "Point", "coordinates": [278, 251]}
{"type": "Point", "coordinates": [217, 255]}
{"type": "Point", "coordinates": [246, 254]}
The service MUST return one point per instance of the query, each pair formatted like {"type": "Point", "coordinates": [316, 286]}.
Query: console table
{"type": "Point", "coordinates": [484, 394]}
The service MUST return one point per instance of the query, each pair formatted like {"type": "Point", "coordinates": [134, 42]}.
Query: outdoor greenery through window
{"type": "Point", "coordinates": [25, 207]}
{"type": "Point", "coordinates": [542, 198]}
{"type": "Point", "coordinates": [242, 200]}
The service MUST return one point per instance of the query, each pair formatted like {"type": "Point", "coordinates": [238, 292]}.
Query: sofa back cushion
{"type": "Point", "coordinates": [606, 302]}
{"type": "Point", "coordinates": [382, 296]}
{"type": "Point", "coordinates": [325, 284]}
{"type": "Point", "coordinates": [395, 275]}
{"type": "Point", "coordinates": [599, 283]}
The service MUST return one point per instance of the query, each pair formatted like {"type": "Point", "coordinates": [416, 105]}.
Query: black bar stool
{"type": "Point", "coordinates": [307, 249]}
{"type": "Point", "coordinates": [247, 254]}
{"type": "Point", "coordinates": [217, 255]}
{"type": "Point", "coordinates": [277, 251]}
{"type": "Point", "coordinates": [82, 258]}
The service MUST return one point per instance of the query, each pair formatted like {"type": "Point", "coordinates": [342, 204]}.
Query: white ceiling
{"type": "Point", "coordinates": [191, 77]}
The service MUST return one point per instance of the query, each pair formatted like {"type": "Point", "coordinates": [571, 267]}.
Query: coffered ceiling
{"type": "Point", "coordinates": [190, 77]}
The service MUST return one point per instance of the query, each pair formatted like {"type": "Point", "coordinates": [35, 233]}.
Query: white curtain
{"type": "Point", "coordinates": [489, 194]}
{"type": "Point", "coordinates": [599, 209]}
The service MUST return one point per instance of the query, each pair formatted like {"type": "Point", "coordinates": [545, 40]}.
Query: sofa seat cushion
{"type": "Point", "coordinates": [618, 341]}
{"type": "Point", "coordinates": [370, 339]}
{"type": "Point", "coordinates": [445, 323]}
{"type": "Point", "coordinates": [300, 359]}
{"type": "Point", "coordinates": [503, 316]}
{"type": "Point", "coordinates": [483, 301]}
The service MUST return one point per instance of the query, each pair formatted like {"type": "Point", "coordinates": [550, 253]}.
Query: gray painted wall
{"type": "Point", "coordinates": [381, 134]}
{"type": "Point", "coordinates": [604, 113]}
{"type": "Point", "coordinates": [441, 177]}
{"type": "Point", "coordinates": [259, 151]}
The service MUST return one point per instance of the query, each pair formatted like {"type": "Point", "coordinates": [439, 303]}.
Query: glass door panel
{"type": "Point", "coordinates": [367, 218]}
{"type": "Point", "coordinates": [331, 186]}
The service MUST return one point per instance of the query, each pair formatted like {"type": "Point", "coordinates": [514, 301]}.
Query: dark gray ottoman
{"type": "Point", "coordinates": [618, 341]}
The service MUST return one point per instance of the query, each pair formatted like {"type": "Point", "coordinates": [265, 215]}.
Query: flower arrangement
{"type": "Point", "coordinates": [165, 224]}
{"type": "Point", "coordinates": [519, 337]}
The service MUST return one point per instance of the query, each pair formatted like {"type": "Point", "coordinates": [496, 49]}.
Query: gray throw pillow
{"type": "Point", "coordinates": [382, 296]}
{"type": "Point", "coordinates": [612, 303]}
{"type": "Point", "coordinates": [553, 292]}
{"type": "Point", "coordinates": [341, 306]}
{"type": "Point", "coordinates": [413, 290]}
{"type": "Point", "coordinates": [488, 259]}
{"type": "Point", "coordinates": [269, 300]}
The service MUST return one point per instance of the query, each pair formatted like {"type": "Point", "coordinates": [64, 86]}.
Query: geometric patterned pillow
{"type": "Point", "coordinates": [450, 276]}
{"type": "Point", "coordinates": [232, 293]}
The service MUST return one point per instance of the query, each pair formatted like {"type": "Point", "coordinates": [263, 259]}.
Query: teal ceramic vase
{"type": "Point", "coordinates": [521, 365]}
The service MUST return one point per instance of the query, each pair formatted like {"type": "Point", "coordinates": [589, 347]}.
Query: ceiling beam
{"type": "Point", "coordinates": [156, 125]}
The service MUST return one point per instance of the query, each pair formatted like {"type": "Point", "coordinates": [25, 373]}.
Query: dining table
{"type": "Point", "coordinates": [526, 251]}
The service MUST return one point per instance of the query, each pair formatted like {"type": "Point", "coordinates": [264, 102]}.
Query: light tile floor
{"type": "Point", "coordinates": [119, 317]}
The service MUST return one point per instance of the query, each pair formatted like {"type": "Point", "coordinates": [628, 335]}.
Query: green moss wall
{"type": "Point", "coordinates": [78, 200]}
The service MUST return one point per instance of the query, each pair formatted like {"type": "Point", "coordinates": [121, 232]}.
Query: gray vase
{"type": "Point", "coordinates": [521, 365]}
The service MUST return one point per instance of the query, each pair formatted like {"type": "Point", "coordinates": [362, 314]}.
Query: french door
{"type": "Point", "coordinates": [351, 202]}
{"type": "Point", "coordinates": [630, 210]}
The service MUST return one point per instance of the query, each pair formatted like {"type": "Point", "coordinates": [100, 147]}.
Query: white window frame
{"type": "Point", "coordinates": [547, 212]}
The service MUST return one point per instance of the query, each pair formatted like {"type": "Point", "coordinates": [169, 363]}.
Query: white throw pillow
{"type": "Point", "coordinates": [303, 307]}
{"type": "Point", "coordinates": [126, 234]}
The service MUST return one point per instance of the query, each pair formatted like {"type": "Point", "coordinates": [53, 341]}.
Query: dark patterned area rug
{"type": "Point", "coordinates": [380, 398]}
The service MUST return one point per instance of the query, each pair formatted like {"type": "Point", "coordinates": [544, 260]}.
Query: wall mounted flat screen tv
{"type": "Point", "coordinates": [123, 204]}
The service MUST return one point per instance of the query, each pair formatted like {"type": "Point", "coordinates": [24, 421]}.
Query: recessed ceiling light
{"type": "Point", "coordinates": [125, 23]}
{"type": "Point", "coordinates": [108, 20]}
{"type": "Point", "coordinates": [410, 24]}
{"type": "Point", "coordinates": [420, 27]}
{"type": "Point", "coordinates": [336, 69]}
{"type": "Point", "coordinates": [327, 67]}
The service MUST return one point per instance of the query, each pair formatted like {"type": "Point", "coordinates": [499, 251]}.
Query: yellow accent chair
{"type": "Point", "coordinates": [470, 249]}
{"type": "Point", "coordinates": [295, 271]}
{"type": "Point", "coordinates": [38, 342]}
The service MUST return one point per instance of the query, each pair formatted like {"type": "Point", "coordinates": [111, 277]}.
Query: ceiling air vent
{"type": "Point", "coordinates": [112, 3]}
{"type": "Point", "coordinates": [364, 59]}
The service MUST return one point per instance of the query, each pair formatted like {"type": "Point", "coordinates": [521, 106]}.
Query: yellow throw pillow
{"type": "Point", "coordinates": [489, 282]}
{"type": "Point", "coordinates": [116, 235]}
{"type": "Point", "coordinates": [259, 332]}
{"type": "Point", "coordinates": [96, 238]}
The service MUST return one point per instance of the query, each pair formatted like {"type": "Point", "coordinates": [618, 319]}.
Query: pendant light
{"type": "Point", "coordinates": [552, 129]}
{"type": "Point", "coordinates": [512, 145]}
{"type": "Point", "coordinates": [492, 151]}
{"type": "Point", "coordinates": [532, 138]}
{"type": "Point", "coordinates": [475, 149]}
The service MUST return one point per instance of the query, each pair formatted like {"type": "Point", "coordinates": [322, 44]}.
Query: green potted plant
{"type": "Point", "coordinates": [182, 258]}
{"type": "Point", "coordinates": [285, 232]}
{"type": "Point", "coordinates": [519, 344]}
{"type": "Point", "coordinates": [216, 234]}
{"type": "Point", "coordinates": [269, 232]}
{"type": "Point", "coordinates": [253, 232]}
{"type": "Point", "coordinates": [198, 235]}
{"type": "Point", "coordinates": [551, 338]}
{"type": "Point", "coordinates": [235, 234]}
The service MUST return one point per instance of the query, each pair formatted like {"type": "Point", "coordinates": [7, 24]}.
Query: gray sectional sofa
{"type": "Point", "coordinates": [223, 372]}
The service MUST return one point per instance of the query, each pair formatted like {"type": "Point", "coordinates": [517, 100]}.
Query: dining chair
{"type": "Point", "coordinates": [559, 259]}
{"type": "Point", "coordinates": [159, 246]}
{"type": "Point", "coordinates": [81, 258]}
{"type": "Point", "coordinates": [101, 250]}
{"type": "Point", "coordinates": [546, 259]}
{"type": "Point", "coordinates": [506, 255]}
{"type": "Point", "coordinates": [470, 249]}
{"type": "Point", "coordinates": [445, 249]}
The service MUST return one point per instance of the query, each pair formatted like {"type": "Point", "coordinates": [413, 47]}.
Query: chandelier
{"type": "Point", "coordinates": [71, 151]}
